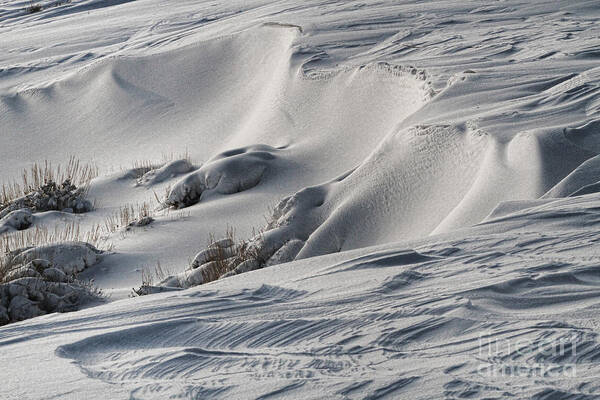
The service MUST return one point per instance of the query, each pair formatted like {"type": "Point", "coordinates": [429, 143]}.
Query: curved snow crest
{"type": "Point", "coordinates": [379, 70]}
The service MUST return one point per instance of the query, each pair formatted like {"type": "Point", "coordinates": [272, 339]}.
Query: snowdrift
{"type": "Point", "coordinates": [460, 138]}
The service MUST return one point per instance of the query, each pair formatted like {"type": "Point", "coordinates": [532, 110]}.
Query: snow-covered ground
{"type": "Point", "coordinates": [433, 163]}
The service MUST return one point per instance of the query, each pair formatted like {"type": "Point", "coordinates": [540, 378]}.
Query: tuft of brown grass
{"type": "Point", "coordinates": [149, 277]}
{"type": "Point", "coordinates": [127, 215]}
{"type": "Point", "coordinates": [162, 202]}
{"type": "Point", "coordinates": [225, 259]}
{"type": "Point", "coordinates": [141, 167]}
{"type": "Point", "coordinates": [156, 274]}
{"type": "Point", "coordinates": [39, 175]}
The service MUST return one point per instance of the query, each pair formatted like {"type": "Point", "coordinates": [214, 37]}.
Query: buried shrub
{"type": "Point", "coordinates": [220, 259]}
{"type": "Point", "coordinates": [38, 271]}
{"type": "Point", "coordinates": [224, 257]}
{"type": "Point", "coordinates": [149, 277]}
{"type": "Point", "coordinates": [45, 188]}
{"type": "Point", "coordinates": [230, 172]}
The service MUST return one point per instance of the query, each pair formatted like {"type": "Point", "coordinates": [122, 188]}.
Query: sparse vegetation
{"type": "Point", "coordinates": [31, 283]}
{"type": "Point", "coordinates": [141, 167]}
{"type": "Point", "coordinates": [157, 274]}
{"type": "Point", "coordinates": [221, 258]}
{"type": "Point", "coordinates": [35, 7]}
{"type": "Point", "coordinates": [161, 201]}
{"type": "Point", "coordinates": [45, 187]}
{"type": "Point", "coordinates": [225, 255]}
{"type": "Point", "coordinates": [41, 235]}
{"type": "Point", "coordinates": [129, 216]}
{"type": "Point", "coordinates": [150, 276]}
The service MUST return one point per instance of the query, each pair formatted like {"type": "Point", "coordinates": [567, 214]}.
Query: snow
{"type": "Point", "coordinates": [428, 171]}
{"type": "Point", "coordinates": [16, 220]}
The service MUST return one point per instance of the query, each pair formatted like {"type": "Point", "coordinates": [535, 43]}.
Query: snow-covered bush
{"type": "Point", "coordinates": [17, 220]}
{"type": "Point", "coordinates": [45, 188]}
{"type": "Point", "coordinates": [33, 8]}
{"type": "Point", "coordinates": [229, 172]}
{"type": "Point", "coordinates": [39, 280]}
{"type": "Point", "coordinates": [168, 170]}
{"type": "Point", "coordinates": [50, 196]}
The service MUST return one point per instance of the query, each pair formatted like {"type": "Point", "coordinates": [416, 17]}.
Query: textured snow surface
{"type": "Point", "coordinates": [379, 133]}
{"type": "Point", "coordinates": [476, 313]}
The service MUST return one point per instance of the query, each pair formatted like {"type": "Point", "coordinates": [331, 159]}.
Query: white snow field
{"type": "Point", "coordinates": [430, 170]}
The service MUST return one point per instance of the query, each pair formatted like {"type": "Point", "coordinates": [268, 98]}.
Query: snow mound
{"type": "Point", "coordinates": [16, 221]}
{"type": "Point", "coordinates": [227, 173]}
{"type": "Point", "coordinates": [70, 257]}
{"type": "Point", "coordinates": [384, 199]}
{"type": "Point", "coordinates": [588, 173]}
{"type": "Point", "coordinates": [220, 259]}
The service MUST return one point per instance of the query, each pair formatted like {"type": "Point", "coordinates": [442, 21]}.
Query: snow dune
{"type": "Point", "coordinates": [460, 138]}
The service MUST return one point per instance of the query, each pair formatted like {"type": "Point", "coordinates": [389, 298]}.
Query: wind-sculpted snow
{"type": "Point", "coordinates": [465, 132]}
{"type": "Point", "coordinates": [504, 308]}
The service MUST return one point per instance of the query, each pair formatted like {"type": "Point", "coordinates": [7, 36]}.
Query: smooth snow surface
{"type": "Point", "coordinates": [398, 125]}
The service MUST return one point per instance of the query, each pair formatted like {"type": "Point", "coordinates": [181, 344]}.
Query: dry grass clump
{"type": "Point", "coordinates": [162, 202]}
{"type": "Point", "coordinates": [42, 175]}
{"type": "Point", "coordinates": [227, 254]}
{"type": "Point", "coordinates": [149, 277]}
{"type": "Point", "coordinates": [141, 167]}
{"type": "Point", "coordinates": [128, 216]}
{"type": "Point", "coordinates": [41, 235]}
{"type": "Point", "coordinates": [156, 274]}
{"type": "Point", "coordinates": [35, 7]}
{"type": "Point", "coordinates": [221, 258]}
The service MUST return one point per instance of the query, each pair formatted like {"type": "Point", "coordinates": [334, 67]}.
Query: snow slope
{"type": "Point", "coordinates": [365, 124]}
{"type": "Point", "coordinates": [480, 313]}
